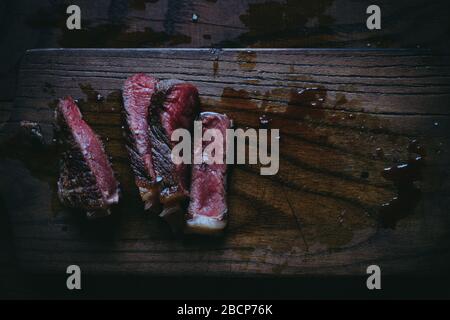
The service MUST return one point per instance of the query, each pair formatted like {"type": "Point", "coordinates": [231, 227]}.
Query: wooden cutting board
{"type": "Point", "coordinates": [344, 116]}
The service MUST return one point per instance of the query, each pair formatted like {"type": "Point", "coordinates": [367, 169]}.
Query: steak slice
{"type": "Point", "coordinates": [175, 107]}
{"type": "Point", "coordinates": [138, 92]}
{"type": "Point", "coordinates": [207, 212]}
{"type": "Point", "coordinates": [86, 179]}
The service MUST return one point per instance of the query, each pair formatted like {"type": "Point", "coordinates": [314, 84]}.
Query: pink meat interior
{"type": "Point", "coordinates": [208, 187]}
{"type": "Point", "coordinates": [180, 106]}
{"type": "Point", "coordinates": [137, 94]}
{"type": "Point", "coordinates": [91, 148]}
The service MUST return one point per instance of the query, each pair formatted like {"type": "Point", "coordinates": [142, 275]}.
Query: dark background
{"type": "Point", "coordinates": [26, 24]}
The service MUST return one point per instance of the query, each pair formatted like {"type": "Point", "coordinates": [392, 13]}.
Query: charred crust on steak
{"type": "Point", "coordinates": [138, 92]}
{"type": "Point", "coordinates": [174, 107]}
{"type": "Point", "coordinates": [86, 180]}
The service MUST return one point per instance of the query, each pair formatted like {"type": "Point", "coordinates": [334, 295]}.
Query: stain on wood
{"type": "Point", "coordinates": [247, 60]}
{"type": "Point", "coordinates": [361, 133]}
{"type": "Point", "coordinates": [231, 23]}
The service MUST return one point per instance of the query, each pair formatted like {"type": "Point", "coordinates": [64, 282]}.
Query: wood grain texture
{"type": "Point", "coordinates": [344, 116]}
{"type": "Point", "coordinates": [27, 24]}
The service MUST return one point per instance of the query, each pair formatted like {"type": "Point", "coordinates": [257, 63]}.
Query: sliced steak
{"type": "Point", "coordinates": [175, 107]}
{"type": "Point", "coordinates": [207, 212]}
{"type": "Point", "coordinates": [138, 92]}
{"type": "Point", "coordinates": [86, 178]}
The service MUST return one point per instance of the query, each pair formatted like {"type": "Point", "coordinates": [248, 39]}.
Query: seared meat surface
{"type": "Point", "coordinates": [175, 107]}
{"type": "Point", "coordinates": [154, 110]}
{"type": "Point", "coordinates": [86, 179]}
{"type": "Point", "coordinates": [138, 92]}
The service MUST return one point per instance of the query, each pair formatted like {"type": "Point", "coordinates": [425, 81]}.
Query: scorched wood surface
{"type": "Point", "coordinates": [344, 117]}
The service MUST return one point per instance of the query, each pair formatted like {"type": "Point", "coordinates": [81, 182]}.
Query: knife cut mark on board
{"type": "Point", "coordinates": [297, 219]}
